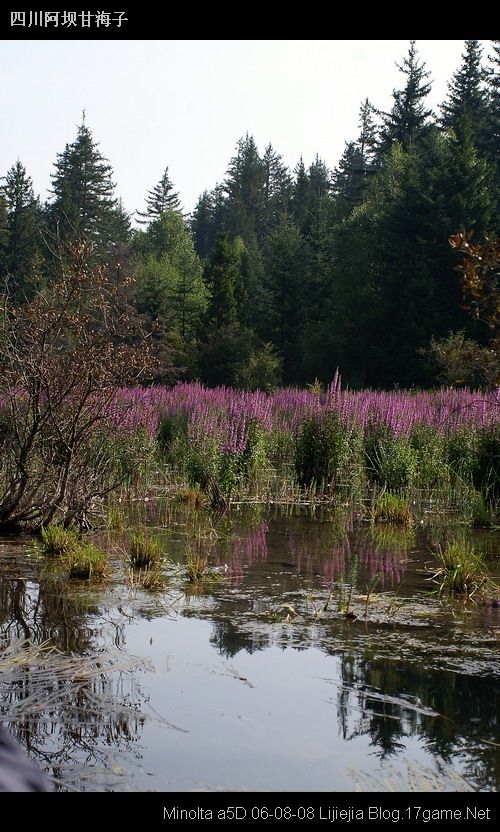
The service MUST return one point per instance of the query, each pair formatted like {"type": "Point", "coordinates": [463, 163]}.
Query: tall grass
{"type": "Point", "coordinates": [145, 551]}
{"type": "Point", "coordinates": [292, 444]}
{"type": "Point", "coordinates": [86, 562]}
{"type": "Point", "coordinates": [391, 508]}
{"type": "Point", "coordinates": [461, 569]}
{"type": "Point", "coordinates": [58, 540]}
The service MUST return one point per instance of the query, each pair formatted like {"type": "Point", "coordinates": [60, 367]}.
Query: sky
{"type": "Point", "coordinates": [186, 103]}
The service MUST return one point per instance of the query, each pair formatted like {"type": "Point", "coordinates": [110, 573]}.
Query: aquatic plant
{"type": "Point", "coordinates": [197, 568]}
{"type": "Point", "coordinates": [391, 508]}
{"type": "Point", "coordinates": [152, 579]}
{"type": "Point", "coordinates": [461, 569]}
{"type": "Point", "coordinates": [191, 496]}
{"type": "Point", "coordinates": [372, 583]}
{"type": "Point", "coordinates": [481, 514]}
{"type": "Point", "coordinates": [58, 540]}
{"type": "Point", "coordinates": [145, 550]}
{"type": "Point", "coordinates": [292, 444]}
{"type": "Point", "coordinates": [87, 561]}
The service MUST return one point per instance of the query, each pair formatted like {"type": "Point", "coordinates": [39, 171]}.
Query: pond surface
{"type": "Point", "coordinates": [249, 683]}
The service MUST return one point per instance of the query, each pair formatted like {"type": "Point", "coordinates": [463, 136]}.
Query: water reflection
{"type": "Point", "coordinates": [399, 695]}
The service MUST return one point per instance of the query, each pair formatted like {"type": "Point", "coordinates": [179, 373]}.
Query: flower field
{"type": "Point", "coordinates": [230, 440]}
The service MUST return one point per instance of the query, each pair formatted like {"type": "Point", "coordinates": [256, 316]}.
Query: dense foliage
{"type": "Point", "coordinates": [280, 276]}
{"type": "Point", "coordinates": [228, 442]}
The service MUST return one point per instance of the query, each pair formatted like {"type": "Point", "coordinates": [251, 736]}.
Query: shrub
{"type": "Point", "coordinates": [64, 354]}
{"type": "Point", "coordinates": [432, 469]}
{"type": "Point", "coordinates": [398, 463]}
{"type": "Point", "coordinates": [323, 450]}
{"type": "Point", "coordinates": [461, 452]}
{"type": "Point", "coordinates": [486, 472]}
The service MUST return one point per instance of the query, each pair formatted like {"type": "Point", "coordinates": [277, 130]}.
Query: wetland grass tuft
{"type": "Point", "coordinates": [87, 561]}
{"type": "Point", "coordinates": [481, 514]}
{"type": "Point", "coordinates": [152, 579]}
{"type": "Point", "coordinates": [198, 570]}
{"type": "Point", "coordinates": [461, 570]}
{"type": "Point", "coordinates": [57, 540]}
{"type": "Point", "coordinates": [390, 508]}
{"type": "Point", "coordinates": [191, 496]}
{"type": "Point", "coordinates": [145, 551]}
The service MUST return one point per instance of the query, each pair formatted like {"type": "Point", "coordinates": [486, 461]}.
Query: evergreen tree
{"type": "Point", "coordinates": [244, 206]}
{"type": "Point", "coordinates": [4, 237]}
{"type": "Point", "coordinates": [299, 194]}
{"type": "Point", "coordinates": [222, 276]}
{"type": "Point", "coordinates": [159, 199]}
{"type": "Point", "coordinates": [227, 345]}
{"type": "Point", "coordinates": [202, 223]}
{"type": "Point", "coordinates": [119, 228]}
{"type": "Point", "coordinates": [83, 202]}
{"type": "Point", "coordinates": [367, 140]}
{"type": "Point", "coordinates": [492, 136]}
{"type": "Point", "coordinates": [408, 120]}
{"type": "Point", "coordinates": [170, 282]}
{"type": "Point", "coordinates": [318, 181]}
{"type": "Point", "coordinates": [349, 180]}
{"type": "Point", "coordinates": [466, 107]}
{"type": "Point", "coordinates": [461, 201]}
{"type": "Point", "coordinates": [23, 238]}
{"type": "Point", "coordinates": [356, 166]}
{"type": "Point", "coordinates": [277, 188]}
{"type": "Point", "coordinates": [318, 189]}
{"type": "Point", "coordinates": [253, 301]}
{"type": "Point", "coordinates": [285, 263]}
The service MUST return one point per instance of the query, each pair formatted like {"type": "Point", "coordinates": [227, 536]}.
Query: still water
{"type": "Point", "coordinates": [249, 683]}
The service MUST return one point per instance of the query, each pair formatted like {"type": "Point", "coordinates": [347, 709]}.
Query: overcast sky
{"type": "Point", "coordinates": [186, 103]}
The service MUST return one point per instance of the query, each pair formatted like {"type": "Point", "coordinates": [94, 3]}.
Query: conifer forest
{"type": "Point", "coordinates": [279, 276]}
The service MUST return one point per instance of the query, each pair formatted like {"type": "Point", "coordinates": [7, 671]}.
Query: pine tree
{"type": "Point", "coordinates": [202, 223]}
{"type": "Point", "coordinates": [170, 290]}
{"type": "Point", "coordinates": [83, 201]}
{"type": "Point", "coordinates": [4, 237]}
{"type": "Point", "coordinates": [23, 238]}
{"type": "Point", "coordinates": [318, 189]}
{"type": "Point", "coordinates": [277, 188]}
{"type": "Point", "coordinates": [299, 194]}
{"type": "Point", "coordinates": [349, 180]}
{"type": "Point", "coordinates": [493, 92]}
{"type": "Point", "coordinates": [227, 345]}
{"type": "Point", "coordinates": [285, 264]}
{"type": "Point", "coordinates": [367, 140]}
{"type": "Point", "coordinates": [356, 166]}
{"type": "Point", "coordinates": [408, 120]}
{"type": "Point", "coordinates": [492, 136]}
{"type": "Point", "coordinates": [319, 181]}
{"type": "Point", "coordinates": [244, 205]}
{"type": "Point", "coordinates": [222, 276]}
{"type": "Point", "coordinates": [159, 199]}
{"type": "Point", "coordinates": [466, 107]}
{"type": "Point", "coordinates": [119, 224]}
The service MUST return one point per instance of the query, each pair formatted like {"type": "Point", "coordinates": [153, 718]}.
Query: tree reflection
{"type": "Point", "coordinates": [73, 705]}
